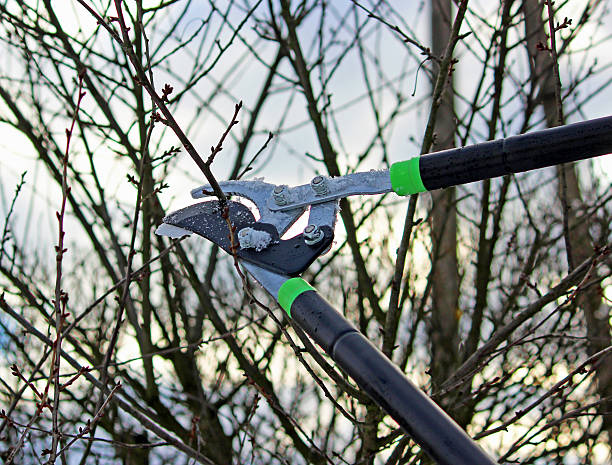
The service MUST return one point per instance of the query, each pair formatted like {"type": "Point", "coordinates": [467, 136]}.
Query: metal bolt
{"type": "Point", "coordinates": [312, 234]}
{"type": "Point", "coordinates": [280, 195]}
{"type": "Point", "coordinates": [319, 185]}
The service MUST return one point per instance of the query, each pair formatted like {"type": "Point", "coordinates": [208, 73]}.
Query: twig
{"type": "Point", "coordinates": [99, 414]}
{"type": "Point", "coordinates": [144, 417]}
{"type": "Point", "coordinates": [120, 283]}
{"type": "Point", "coordinates": [124, 41]}
{"type": "Point", "coordinates": [576, 277]}
{"type": "Point", "coordinates": [249, 165]}
{"type": "Point", "coordinates": [125, 294]}
{"type": "Point", "coordinates": [216, 149]}
{"type": "Point", "coordinates": [114, 442]}
{"type": "Point", "coordinates": [23, 435]}
{"type": "Point", "coordinates": [19, 394]}
{"type": "Point", "coordinates": [581, 369]}
{"type": "Point", "coordinates": [10, 212]}
{"type": "Point", "coordinates": [61, 298]}
{"type": "Point", "coordinates": [15, 371]}
{"type": "Point", "coordinates": [392, 316]}
{"type": "Point", "coordinates": [405, 38]}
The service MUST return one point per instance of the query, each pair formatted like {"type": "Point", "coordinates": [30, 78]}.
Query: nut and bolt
{"type": "Point", "coordinates": [319, 185]}
{"type": "Point", "coordinates": [312, 234]}
{"type": "Point", "coordinates": [280, 195]}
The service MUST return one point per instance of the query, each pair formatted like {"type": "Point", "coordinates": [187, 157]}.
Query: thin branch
{"type": "Point", "coordinates": [217, 148]}
{"type": "Point", "coordinates": [61, 297]}
{"type": "Point", "coordinates": [5, 230]}
{"type": "Point", "coordinates": [143, 416]}
{"type": "Point", "coordinates": [577, 276]}
{"type": "Point", "coordinates": [125, 43]}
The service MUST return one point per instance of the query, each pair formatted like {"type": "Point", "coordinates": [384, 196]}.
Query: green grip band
{"type": "Point", "coordinates": [406, 177]}
{"type": "Point", "coordinates": [290, 290]}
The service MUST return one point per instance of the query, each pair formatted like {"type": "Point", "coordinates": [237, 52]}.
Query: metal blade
{"type": "Point", "coordinates": [212, 220]}
{"type": "Point", "coordinates": [174, 232]}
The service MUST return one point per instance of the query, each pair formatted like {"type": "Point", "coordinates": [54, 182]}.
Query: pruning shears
{"type": "Point", "coordinates": [277, 263]}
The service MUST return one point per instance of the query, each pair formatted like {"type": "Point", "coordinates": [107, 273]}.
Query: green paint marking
{"type": "Point", "coordinates": [290, 290]}
{"type": "Point", "coordinates": [406, 177]}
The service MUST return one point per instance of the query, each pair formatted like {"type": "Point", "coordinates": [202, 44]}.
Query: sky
{"type": "Point", "coordinates": [286, 165]}
{"type": "Point", "coordinates": [284, 161]}
{"type": "Point", "coordinates": [11, 142]}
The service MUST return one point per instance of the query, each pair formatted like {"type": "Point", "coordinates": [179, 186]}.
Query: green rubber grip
{"type": "Point", "coordinates": [406, 177]}
{"type": "Point", "coordinates": [290, 290]}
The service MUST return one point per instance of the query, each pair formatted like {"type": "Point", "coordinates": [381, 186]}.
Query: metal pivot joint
{"type": "Point", "coordinates": [313, 234]}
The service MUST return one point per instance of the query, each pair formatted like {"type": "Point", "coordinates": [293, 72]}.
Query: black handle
{"type": "Point", "coordinates": [416, 413]}
{"type": "Point", "coordinates": [516, 154]}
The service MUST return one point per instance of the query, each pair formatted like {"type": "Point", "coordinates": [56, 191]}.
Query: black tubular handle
{"type": "Point", "coordinates": [516, 154]}
{"type": "Point", "coordinates": [417, 414]}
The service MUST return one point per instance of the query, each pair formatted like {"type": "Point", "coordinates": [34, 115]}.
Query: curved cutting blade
{"type": "Point", "coordinates": [210, 220]}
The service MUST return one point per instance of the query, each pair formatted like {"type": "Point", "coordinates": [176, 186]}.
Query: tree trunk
{"type": "Point", "coordinates": [596, 313]}
{"type": "Point", "coordinates": [443, 323]}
